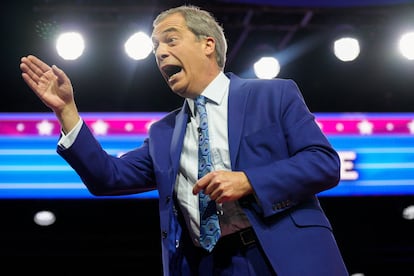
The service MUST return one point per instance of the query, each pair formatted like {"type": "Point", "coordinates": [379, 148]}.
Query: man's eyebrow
{"type": "Point", "coordinates": [169, 30]}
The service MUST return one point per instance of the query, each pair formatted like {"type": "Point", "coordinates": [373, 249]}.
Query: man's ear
{"type": "Point", "coordinates": [210, 45]}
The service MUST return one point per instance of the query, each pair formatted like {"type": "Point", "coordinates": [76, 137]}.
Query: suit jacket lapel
{"type": "Point", "coordinates": [178, 136]}
{"type": "Point", "coordinates": [236, 111]}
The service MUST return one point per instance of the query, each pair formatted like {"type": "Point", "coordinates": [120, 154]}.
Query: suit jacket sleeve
{"type": "Point", "coordinates": [104, 174]}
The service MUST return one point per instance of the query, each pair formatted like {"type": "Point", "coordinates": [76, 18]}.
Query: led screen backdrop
{"type": "Point", "coordinates": [376, 150]}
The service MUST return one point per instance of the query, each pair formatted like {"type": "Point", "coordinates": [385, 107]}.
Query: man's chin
{"type": "Point", "coordinates": [179, 92]}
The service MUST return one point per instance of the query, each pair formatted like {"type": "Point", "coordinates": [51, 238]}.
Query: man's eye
{"type": "Point", "coordinates": [172, 39]}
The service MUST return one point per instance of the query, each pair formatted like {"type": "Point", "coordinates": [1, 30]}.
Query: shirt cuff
{"type": "Point", "coordinates": [66, 140]}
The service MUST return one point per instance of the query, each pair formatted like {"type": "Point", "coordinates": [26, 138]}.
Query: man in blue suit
{"type": "Point", "coordinates": [269, 159]}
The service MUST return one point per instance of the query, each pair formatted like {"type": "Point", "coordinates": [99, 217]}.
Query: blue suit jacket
{"type": "Point", "coordinates": [274, 139]}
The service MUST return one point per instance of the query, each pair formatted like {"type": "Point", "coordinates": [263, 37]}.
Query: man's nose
{"type": "Point", "coordinates": [161, 52]}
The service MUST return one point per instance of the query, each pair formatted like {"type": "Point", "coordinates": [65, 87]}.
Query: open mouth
{"type": "Point", "coordinates": [171, 70]}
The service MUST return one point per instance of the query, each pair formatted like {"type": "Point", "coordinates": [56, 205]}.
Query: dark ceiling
{"type": "Point", "coordinates": [299, 33]}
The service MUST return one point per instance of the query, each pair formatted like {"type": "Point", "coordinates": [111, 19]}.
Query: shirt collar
{"type": "Point", "coordinates": [214, 92]}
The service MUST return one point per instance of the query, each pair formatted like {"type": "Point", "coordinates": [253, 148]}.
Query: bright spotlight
{"type": "Point", "coordinates": [138, 46]}
{"type": "Point", "coordinates": [44, 218]}
{"type": "Point", "coordinates": [406, 45]}
{"type": "Point", "coordinates": [267, 68]}
{"type": "Point", "coordinates": [346, 48]}
{"type": "Point", "coordinates": [408, 212]}
{"type": "Point", "coordinates": [70, 45]}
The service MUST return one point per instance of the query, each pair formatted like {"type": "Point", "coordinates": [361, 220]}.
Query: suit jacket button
{"type": "Point", "coordinates": [164, 234]}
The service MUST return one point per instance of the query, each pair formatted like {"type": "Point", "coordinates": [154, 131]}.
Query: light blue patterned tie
{"type": "Point", "coordinates": [209, 222]}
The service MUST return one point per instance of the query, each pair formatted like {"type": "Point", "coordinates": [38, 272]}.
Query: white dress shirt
{"type": "Point", "coordinates": [232, 217]}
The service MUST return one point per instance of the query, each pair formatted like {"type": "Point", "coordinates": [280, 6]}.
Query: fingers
{"type": "Point", "coordinates": [28, 75]}
{"type": "Point", "coordinates": [60, 74]}
{"type": "Point", "coordinates": [224, 185]}
{"type": "Point", "coordinates": [201, 184]}
{"type": "Point", "coordinates": [209, 184]}
{"type": "Point", "coordinates": [39, 66]}
{"type": "Point", "coordinates": [29, 81]}
{"type": "Point", "coordinates": [38, 75]}
{"type": "Point", "coordinates": [33, 67]}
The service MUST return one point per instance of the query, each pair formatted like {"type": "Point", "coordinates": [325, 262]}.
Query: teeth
{"type": "Point", "coordinates": [172, 76]}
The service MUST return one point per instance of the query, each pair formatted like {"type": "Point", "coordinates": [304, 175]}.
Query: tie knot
{"type": "Point", "coordinates": [200, 100]}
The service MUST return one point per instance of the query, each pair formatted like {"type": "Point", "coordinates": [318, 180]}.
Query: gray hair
{"type": "Point", "coordinates": [202, 24]}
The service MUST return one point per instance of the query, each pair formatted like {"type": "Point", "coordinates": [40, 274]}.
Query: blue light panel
{"type": "Point", "coordinates": [376, 150]}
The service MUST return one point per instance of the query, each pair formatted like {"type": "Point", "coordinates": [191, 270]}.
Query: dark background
{"type": "Point", "coordinates": [107, 236]}
{"type": "Point", "coordinates": [380, 80]}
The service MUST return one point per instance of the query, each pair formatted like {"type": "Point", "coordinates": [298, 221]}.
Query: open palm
{"type": "Point", "coordinates": [50, 84]}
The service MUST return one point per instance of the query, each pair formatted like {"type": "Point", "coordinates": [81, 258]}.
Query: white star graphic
{"type": "Point", "coordinates": [129, 127]}
{"type": "Point", "coordinates": [389, 126]}
{"type": "Point", "coordinates": [45, 127]}
{"type": "Point", "coordinates": [20, 127]}
{"type": "Point", "coordinates": [100, 127]}
{"type": "Point", "coordinates": [339, 127]}
{"type": "Point", "coordinates": [365, 127]}
{"type": "Point", "coordinates": [410, 126]}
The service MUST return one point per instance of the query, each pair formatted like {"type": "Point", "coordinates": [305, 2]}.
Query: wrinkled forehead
{"type": "Point", "coordinates": [173, 22]}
